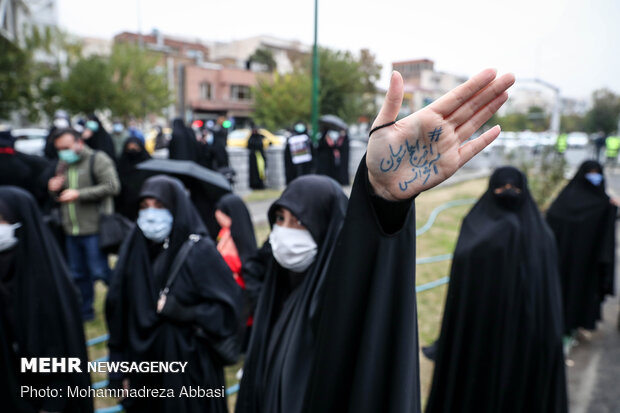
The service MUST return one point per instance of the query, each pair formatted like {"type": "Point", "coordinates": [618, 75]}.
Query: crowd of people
{"type": "Point", "coordinates": [325, 308]}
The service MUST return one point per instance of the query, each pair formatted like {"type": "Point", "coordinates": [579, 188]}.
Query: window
{"type": "Point", "coordinates": [240, 92]}
{"type": "Point", "coordinates": [205, 91]}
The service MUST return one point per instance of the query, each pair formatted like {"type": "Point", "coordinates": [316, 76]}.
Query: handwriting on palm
{"type": "Point", "coordinates": [427, 147]}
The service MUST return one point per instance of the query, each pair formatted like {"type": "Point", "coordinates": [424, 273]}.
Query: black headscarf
{"type": "Point", "coordinates": [182, 146]}
{"type": "Point", "coordinates": [131, 178]}
{"type": "Point", "coordinates": [583, 221]}
{"type": "Point", "coordinates": [204, 287]}
{"type": "Point", "coordinates": [46, 316]}
{"type": "Point", "coordinates": [280, 354]}
{"type": "Point", "coordinates": [242, 229]}
{"type": "Point", "coordinates": [101, 139]}
{"type": "Point", "coordinates": [22, 170]}
{"type": "Point", "coordinates": [500, 348]}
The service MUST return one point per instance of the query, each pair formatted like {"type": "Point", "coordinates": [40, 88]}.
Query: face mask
{"type": "Point", "coordinates": [509, 198]}
{"type": "Point", "coordinates": [118, 128]}
{"type": "Point", "coordinates": [333, 135]}
{"type": "Point", "coordinates": [7, 236]}
{"type": "Point", "coordinates": [294, 249]}
{"type": "Point", "coordinates": [210, 139]}
{"type": "Point", "coordinates": [595, 178]}
{"type": "Point", "coordinates": [92, 125]}
{"type": "Point", "coordinates": [68, 155]}
{"type": "Point", "coordinates": [300, 128]}
{"type": "Point", "coordinates": [61, 123]}
{"type": "Point", "coordinates": [155, 223]}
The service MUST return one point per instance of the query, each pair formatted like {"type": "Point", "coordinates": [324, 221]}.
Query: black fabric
{"type": "Point", "coordinates": [366, 346]}
{"type": "Point", "coordinates": [292, 170]}
{"type": "Point", "coordinates": [43, 318]}
{"type": "Point", "coordinates": [183, 145]}
{"type": "Point", "coordinates": [242, 229]}
{"type": "Point", "coordinates": [101, 140]}
{"type": "Point", "coordinates": [24, 171]}
{"type": "Point", "coordinates": [280, 353]}
{"type": "Point", "coordinates": [500, 348]}
{"type": "Point", "coordinates": [131, 178]}
{"type": "Point", "coordinates": [583, 221]}
{"type": "Point", "coordinates": [333, 160]}
{"type": "Point", "coordinates": [255, 146]}
{"type": "Point", "coordinates": [204, 284]}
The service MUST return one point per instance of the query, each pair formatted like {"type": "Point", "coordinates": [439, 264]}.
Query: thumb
{"type": "Point", "coordinates": [393, 101]}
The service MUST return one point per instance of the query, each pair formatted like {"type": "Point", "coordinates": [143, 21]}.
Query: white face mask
{"type": "Point", "coordinates": [155, 223]}
{"type": "Point", "coordinates": [294, 249]}
{"type": "Point", "coordinates": [7, 236]}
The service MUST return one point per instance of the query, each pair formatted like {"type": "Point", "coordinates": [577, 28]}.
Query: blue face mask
{"type": "Point", "coordinates": [300, 128]}
{"type": "Point", "coordinates": [118, 128]}
{"type": "Point", "coordinates": [595, 178]}
{"type": "Point", "coordinates": [155, 223]}
{"type": "Point", "coordinates": [92, 125]}
{"type": "Point", "coordinates": [69, 156]}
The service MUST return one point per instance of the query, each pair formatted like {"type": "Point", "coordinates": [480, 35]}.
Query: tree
{"type": "Point", "coordinates": [264, 56]}
{"type": "Point", "coordinates": [31, 72]}
{"type": "Point", "coordinates": [139, 85]}
{"type": "Point", "coordinates": [281, 100]}
{"type": "Point", "coordinates": [89, 86]}
{"type": "Point", "coordinates": [605, 112]}
{"type": "Point", "coordinates": [347, 89]}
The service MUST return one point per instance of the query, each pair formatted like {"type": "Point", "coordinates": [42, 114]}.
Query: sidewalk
{"type": "Point", "coordinates": [594, 379]}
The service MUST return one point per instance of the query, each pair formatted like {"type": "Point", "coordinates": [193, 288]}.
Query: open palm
{"type": "Point", "coordinates": [427, 147]}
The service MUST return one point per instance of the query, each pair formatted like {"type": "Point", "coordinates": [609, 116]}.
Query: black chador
{"type": "Point", "coordinates": [323, 336]}
{"type": "Point", "coordinates": [39, 312]}
{"type": "Point", "coordinates": [500, 348]}
{"type": "Point", "coordinates": [583, 221]}
{"type": "Point", "coordinates": [205, 304]}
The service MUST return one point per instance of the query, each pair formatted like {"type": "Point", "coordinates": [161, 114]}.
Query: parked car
{"type": "Point", "coordinates": [577, 139]}
{"type": "Point", "coordinates": [239, 138]}
{"type": "Point", "coordinates": [30, 140]}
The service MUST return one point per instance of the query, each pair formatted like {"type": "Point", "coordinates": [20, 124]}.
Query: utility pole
{"type": "Point", "coordinates": [315, 77]}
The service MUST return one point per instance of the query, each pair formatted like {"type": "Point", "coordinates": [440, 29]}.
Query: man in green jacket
{"type": "Point", "coordinates": [85, 183]}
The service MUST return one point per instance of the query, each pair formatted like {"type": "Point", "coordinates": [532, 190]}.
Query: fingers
{"type": "Point", "coordinates": [472, 148]}
{"type": "Point", "coordinates": [458, 96]}
{"type": "Point", "coordinates": [486, 95]}
{"type": "Point", "coordinates": [393, 101]}
{"type": "Point", "coordinates": [467, 129]}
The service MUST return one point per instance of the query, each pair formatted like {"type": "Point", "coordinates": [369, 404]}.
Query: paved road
{"type": "Point", "coordinates": [594, 379]}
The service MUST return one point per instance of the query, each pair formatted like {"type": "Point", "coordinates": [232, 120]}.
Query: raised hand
{"type": "Point", "coordinates": [427, 147]}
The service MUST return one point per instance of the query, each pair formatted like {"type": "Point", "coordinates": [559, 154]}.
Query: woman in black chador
{"type": "Point", "coordinates": [335, 325]}
{"type": "Point", "coordinates": [39, 310]}
{"type": "Point", "coordinates": [500, 348]}
{"type": "Point", "coordinates": [583, 220]}
{"type": "Point", "coordinates": [183, 145]}
{"type": "Point", "coordinates": [257, 160]}
{"type": "Point", "coordinates": [97, 138]}
{"type": "Point", "coordinates": [199, 315]}
{"type": "Point", "coordinates": [131, 178]}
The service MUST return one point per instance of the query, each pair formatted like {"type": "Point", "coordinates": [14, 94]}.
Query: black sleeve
{"type": "Point", "coordinates": [253, 273]}
{"type": "Point", "coordinates": [366, 335]}
{"type": "Point", "coordinates": [391, 215]}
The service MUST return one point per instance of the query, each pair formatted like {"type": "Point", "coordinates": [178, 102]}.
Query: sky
{"type": "Point", "coordinates": [572, 44]}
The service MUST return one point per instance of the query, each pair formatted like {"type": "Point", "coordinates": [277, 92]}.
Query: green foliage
{"type": "Point", "coordinates": [282, 99]}
{"type": "Point", "coordinates": [545, 175]}
{"type": "Point", "coordinates": [138, 86]}
{"type": "Point", "coordinates": [604, 113]}
{"type": "Point", "coordinates": [347, 87]}
{"type": "Point", "coordinates": [30, 72]}
{"type": "Point", "coordinates": [572, 123]}
{"type": "Point", "coordinates": [89, 86]}
{"type": "Point", "coordinates": [264, 56]}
